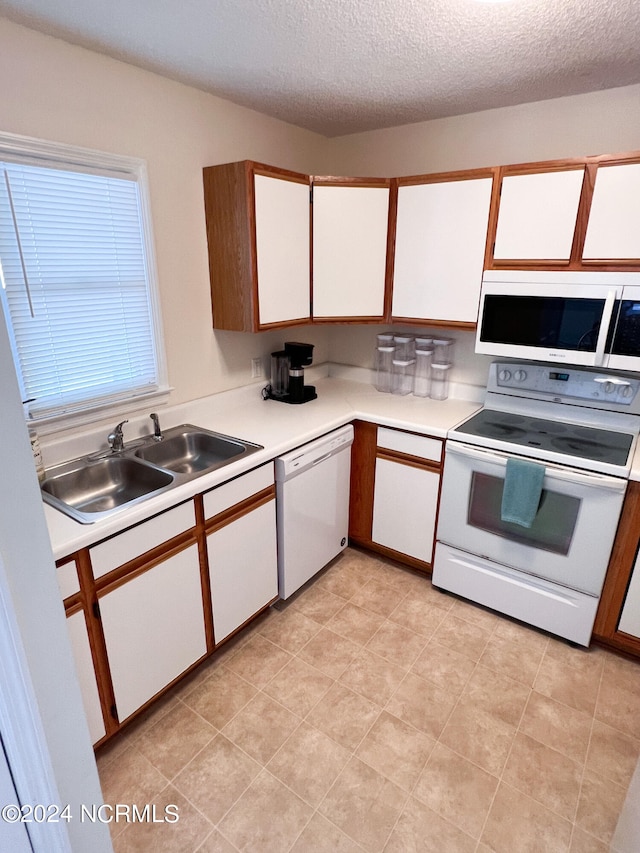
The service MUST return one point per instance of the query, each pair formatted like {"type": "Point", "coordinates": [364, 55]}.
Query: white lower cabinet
{"type": "Point", "coordinates": [77, 628]}
{"type": "Point", "coordinates": [243, 568]}
{"type": "Point", "coordinates": [405, 502]}
{"type": "Point", "coordinates": [153, 628]}
{"type": "Point", "coordinates": [630, 616]}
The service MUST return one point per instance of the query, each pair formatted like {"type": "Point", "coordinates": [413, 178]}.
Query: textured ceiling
{"type": "Point", "coordinates": [342, 66]}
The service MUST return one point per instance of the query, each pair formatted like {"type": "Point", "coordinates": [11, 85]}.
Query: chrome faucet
{"type": "Point", "coordinates": [157, 432]}
{"type": "Point", "coordinates": [116, 439]}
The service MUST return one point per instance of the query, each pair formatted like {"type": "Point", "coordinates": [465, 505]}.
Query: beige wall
{"type": "Point", "coordinates": [597, 123]}
{"type": "Point", "coordinates": [56, 91]}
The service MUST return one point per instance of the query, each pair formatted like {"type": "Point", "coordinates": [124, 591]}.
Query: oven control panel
{"type": "Point", "coordinates": [554, 382]}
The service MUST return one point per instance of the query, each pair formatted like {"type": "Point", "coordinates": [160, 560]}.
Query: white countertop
{"type": "Point", "coordinates": [279, 428]}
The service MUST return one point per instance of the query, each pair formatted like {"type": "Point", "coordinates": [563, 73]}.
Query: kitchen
{"type": "Point", "coordinates": [47, 98]}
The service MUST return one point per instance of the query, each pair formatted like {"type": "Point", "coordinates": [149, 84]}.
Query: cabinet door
{"type": "Point", "coordinates": [537, 215]}
{"type": "Point", "coordinates": [81, 649]}
{"type": "Point", "coordinates": [613, 231]}
{"type": "Point", "coordinates": [153, 628]}
{"type": "Point", "coordinates": [349, 250]}
{"type": "Point", "coordinates": [404, 508]}
{"type": "Point", "coordinates": [441, 235]}
{"type": "Point", "coordinates": [243, 568]}
{"type": "Point", "coordinates": [258, 220]}
{"type": "Point", "coordinates": [630, 616]}
{"type": "Point", "coordinates": [282, 249]}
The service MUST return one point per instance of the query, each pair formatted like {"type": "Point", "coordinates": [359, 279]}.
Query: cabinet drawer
{"type": "Point", "coordinates": [225, 496]}
{"type": "Point", "coordinates": [408, 442]}
{"type": "Point", "coordinates": [67, 577]}
{"type": "Point", "coordinates": [140, 539]}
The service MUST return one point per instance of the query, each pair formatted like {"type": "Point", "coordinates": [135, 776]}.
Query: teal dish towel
{"type": "Point", "coordinates": [522, 491]}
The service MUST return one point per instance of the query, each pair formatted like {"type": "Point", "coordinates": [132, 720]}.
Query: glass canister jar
{"type": "Point", "coordinates": [384, 368]}
{"type": "Point", "coordinates": [439, 381]}
{"type": "Point", "coordinates": [402, 382]}
{"type": "Point", "coordinates": [405, 347]}
{"type": "Point", "coordinates": [422, 376]}
{"type": "Point", "coordinates": [443, 350]}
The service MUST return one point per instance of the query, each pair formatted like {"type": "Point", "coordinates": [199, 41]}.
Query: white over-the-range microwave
{"type": "Point", "coordinates": [581, 318]}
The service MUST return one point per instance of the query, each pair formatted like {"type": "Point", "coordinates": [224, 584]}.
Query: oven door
{"type": "Point", "coordinates": [566, 323]}
{"type": "Point", "coordinates": [571, 536]}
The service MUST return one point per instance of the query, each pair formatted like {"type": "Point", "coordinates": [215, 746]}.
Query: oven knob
{"type": "Point", "coordinates": [609, 387]}
{"type": "Point", "coordinates": [626, 391]}
{"type": "Point", "coordinates": [520, 375]}
{"type": "Point", "coordinates": [504, 375]}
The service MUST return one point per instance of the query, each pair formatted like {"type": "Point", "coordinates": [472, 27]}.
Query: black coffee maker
{"type": "Point", "coordinates": [287, 374]}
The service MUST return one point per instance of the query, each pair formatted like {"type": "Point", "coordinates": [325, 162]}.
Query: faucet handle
{"type": "Point", "coordinates": [115, 438]}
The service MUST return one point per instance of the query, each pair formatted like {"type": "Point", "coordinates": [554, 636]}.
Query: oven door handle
{"type": "Point", "coordinates": [605, 323]}
{"type": "Point", "coordinates": [569, 475]}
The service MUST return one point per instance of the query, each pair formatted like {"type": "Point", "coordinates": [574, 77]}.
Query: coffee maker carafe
{"type": "Point", "coordinates": [287, 374]}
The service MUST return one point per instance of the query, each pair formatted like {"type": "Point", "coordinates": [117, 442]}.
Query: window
{"type": "Point", "coordinates": [77, 276]}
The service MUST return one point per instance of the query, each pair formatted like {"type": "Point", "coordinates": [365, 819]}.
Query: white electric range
{"type": "Point", "coordinates": [582, 426]}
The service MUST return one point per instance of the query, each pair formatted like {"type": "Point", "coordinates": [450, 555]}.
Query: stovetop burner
{"type": "Point", "coordinates": [540, 434]}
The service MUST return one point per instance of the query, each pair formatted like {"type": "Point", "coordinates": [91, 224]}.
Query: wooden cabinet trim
{"type": "Point", "coordinates": [73, 604]}
{"type": "Point", "coordinates": [620, 567]}
{"type": "Point", "coordinates": [236, 511]}
{"type": "Point", "coordinates": [228, 200]}
{"type": "Point", "coordinates": [339, 321]}
{"type": "Point", "coordinates": [363, 459]}
{"type": "Point", "coordinates": [391, 250]}
{"type": "Point", "coordinates": [97, 642]}
{"type": "Point", "coordinates": [275, 172]}
{"type": "Point", "coordinates": [542, 166]}
{"type": "Point", "coordinates": [342, 181]}
{"type": "Point", "coordinates": [205, 578]}
{"type": "Point", "coordinates": [442, 324]}
{"type": "Point", "coordinates": [446, 177]}
{"type": "Point", "coordinates": [139, 565]}
{"type": "Point", "coordinates": [398, 556]}
{"type": "Point", "coordinates": [408, 459]}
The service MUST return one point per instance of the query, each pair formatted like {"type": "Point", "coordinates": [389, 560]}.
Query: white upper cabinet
{"type": "Point", "coordinates": [537, 215]}
{"type": "Point", "coordinates": [441, 234]}
{"type": "Point", "coordinates": [349, 250]}
{"type": "Point", "coordinates": [613, 230]}
{"type": "Point", "coordinates": [258, 233]}
{"type": "Point", "coordinates": [282, 249]}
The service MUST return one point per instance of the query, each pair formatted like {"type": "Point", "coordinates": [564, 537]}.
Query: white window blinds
{"type": "Point", "coordinates": [76, 287]}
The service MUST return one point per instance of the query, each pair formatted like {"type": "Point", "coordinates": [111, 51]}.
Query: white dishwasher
{"type": "Point", "coordinates": [312, 505]}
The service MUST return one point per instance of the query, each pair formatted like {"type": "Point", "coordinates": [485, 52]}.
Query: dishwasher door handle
{"type": "Point", "coordinates": [323, 458]}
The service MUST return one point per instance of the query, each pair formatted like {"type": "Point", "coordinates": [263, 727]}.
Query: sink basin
{"type": "Point", "coordinates": [89, 489]}
{"type": "Point", "coordinates": [94, 487]}
{"type": "Point", "coordinates": [189, 450]}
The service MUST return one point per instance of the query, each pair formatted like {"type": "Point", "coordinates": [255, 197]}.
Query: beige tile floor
{"type": "Point", "coordinates": [372, 712]}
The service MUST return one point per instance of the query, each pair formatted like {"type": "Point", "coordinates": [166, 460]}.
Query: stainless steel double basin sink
{"type": "Point", "coordinates": [96, 486]}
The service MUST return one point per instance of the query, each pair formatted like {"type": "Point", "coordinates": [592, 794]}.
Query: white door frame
{"type": "Point", "coordinates": [21, 731]}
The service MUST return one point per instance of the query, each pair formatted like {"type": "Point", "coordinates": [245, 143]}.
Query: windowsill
{"type": "Point", "coordinates": [114, 409]}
